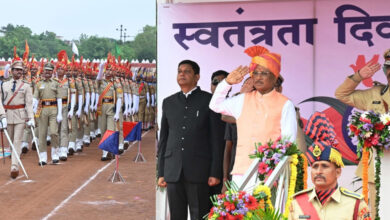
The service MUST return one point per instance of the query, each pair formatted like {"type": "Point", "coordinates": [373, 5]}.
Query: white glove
{"type": "Point", "coordinates": [96, 102]}
{"type": "Point", "coordinates": [59, 110]}
{"type": "Point", "coordinates": [6, 71]}
{"type": "Point", "coordinates": [100, 74]}
{"type": "Point", "coordinates": [72, 104]}
{"type": "Point", "coordinates": [126, 98]}
{"type": "Point", "coordinates": [31, 123]}
{"type": "Point", "coordinates": [87, 99]}
{"type": "Point", "coordinates": [3, 123]}
{"type": "Point", "coordinates": [152, 100]}
{"type": "Point", "coordinates": [135, 103]}
{"type": "Point", "coordinates": [130, 98]}
{"type": "Point", "coordinates": [92, 102]}
{"type": "Point", "coordinates": [78, 113]}
{"type": "Point", "coordinates": [118, 109]}
{"type": "Point", "coordinates": [147, 99]}
{"type": "Point", "coordinates": [35, 105]}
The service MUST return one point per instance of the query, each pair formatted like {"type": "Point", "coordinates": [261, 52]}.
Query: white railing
{"type": "Point", "coordinates": [281, 175]}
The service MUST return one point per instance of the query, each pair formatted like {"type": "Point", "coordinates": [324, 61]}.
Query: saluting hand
{"type": "Point", "coordinates": [237, 75]}
{"type": "Point", "coordinates": [369, 70]}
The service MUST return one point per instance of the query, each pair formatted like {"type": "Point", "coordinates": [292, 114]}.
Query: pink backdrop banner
{"type": "Point", "coordinates": [319, 42]}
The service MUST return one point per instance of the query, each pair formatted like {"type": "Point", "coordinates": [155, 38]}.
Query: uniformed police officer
{"type": "Point", "coordinates": [111, 96]}
{"type": "Point", "coordinates": [31, 80]}
{"type": "Point", "coordinates": [67, 92]}
{"type": "Point", "coordinates": [48, 107]}
{"type": "Point", "coordinates": [327, 200]}
{"type": "Point", "coordinates": [17, 101]}
{"type": "Point", "coordinates": [376, 99]}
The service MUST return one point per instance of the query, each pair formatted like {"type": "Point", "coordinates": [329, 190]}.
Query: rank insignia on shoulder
{"type": "Point", "coordinates": [303, 192]}
{"type": "Point", "coordinates": [350, 193]}
{"type": "Point", "coordinates": [376, 102]}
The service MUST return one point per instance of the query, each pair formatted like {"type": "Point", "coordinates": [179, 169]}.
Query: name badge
{"type": "Point", "coordinates": [42, 86]}
{"type": "Point", "coordinates": [304, 217]}
{"type": "Point", "coordinates": [376, 102]}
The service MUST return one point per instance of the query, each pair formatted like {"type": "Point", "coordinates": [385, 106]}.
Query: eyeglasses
{"type": "Point", "coordinates": [215, 82]}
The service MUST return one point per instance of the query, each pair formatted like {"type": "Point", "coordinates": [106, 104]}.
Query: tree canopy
{"type": "Point", "coordinates": [48, 44]}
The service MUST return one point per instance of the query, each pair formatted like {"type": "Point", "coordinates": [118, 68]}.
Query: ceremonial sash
{"type": "Point", "coordinates": [307, 207]}
{"type": "Point", "coordinates": [16, 92]}
{"type": "Point", "coordinates": [356, 209]}
{"type": "Point", "coordinates": [99, 107]}
{"type": "Point", "coordinates": [140, 88]}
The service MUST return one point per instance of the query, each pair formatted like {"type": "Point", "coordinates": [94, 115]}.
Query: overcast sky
{"type": "Point", "coordinates": [71, 18]}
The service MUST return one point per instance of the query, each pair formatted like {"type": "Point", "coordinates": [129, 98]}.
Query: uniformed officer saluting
{"type": "Point", "coordinates": [376, 98]}
{"type": "Point", "coordinates": [17, 102]}
{"type": "Point", "coordinates": [327, 200]}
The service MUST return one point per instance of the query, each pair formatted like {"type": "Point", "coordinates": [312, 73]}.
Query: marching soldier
{"type": "Point", "coordinates": [128, 100]}
{"type": "Point", "coordinates": [48, 107]}
{"type": "Point", "coordinates": [143, 95]}
{"type": "Point", "coordinates": [110, 100]}
{"type": "Point", "coordinates": [76, 137]}
{"type": "Point", "coordinates": [85, 135]}
{"type": "Point", "coordinates": [17, 102]}
{"type": "Point", "coordinates": [32, 81]}
{"type": "Point", "coordinates": [92, 117]}
{"type": "Point", "coordinates": [67, 92]}
{"type": "Point", "coordinates": [119, 82]}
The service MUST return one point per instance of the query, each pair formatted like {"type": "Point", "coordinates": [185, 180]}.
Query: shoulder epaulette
{"type": "Point", "coordinates": [303, 191]}
{"type": "Point", "coordinates": [351, 193]}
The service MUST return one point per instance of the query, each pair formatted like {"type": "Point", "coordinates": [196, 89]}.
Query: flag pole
{"type": "Point", "coordinates": [139, 157]}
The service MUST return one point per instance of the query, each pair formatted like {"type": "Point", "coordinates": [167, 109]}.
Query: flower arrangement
{"type": "Point", "coordinates": [371, 131]}
{"type": "Point", "coordinates": [293, 179]}
{"type": "Point", "coordinates": [234, 204]}
{"type": "Point", "coordinates": [270, 155]}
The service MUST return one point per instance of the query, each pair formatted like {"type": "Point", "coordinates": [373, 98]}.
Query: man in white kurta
{"type": "Point", "coordinates": [262, 115]}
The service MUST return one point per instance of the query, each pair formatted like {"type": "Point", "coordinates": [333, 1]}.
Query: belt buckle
{"type": "Point", "coordinates": [47, 103]}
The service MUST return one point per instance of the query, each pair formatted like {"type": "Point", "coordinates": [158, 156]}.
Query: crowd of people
{"type": "Point", "coordinates": [67, 104]}
{"type": "Point", "coordinates": [205, 139]}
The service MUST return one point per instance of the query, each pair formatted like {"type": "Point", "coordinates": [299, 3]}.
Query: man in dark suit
{"type": "Point", "coordinates": [189, 159]}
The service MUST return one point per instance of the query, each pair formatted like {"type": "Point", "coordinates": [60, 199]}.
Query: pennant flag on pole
{"type": "Point", "coordinates": [110, 142]}
{"type": "Point", "coordinates": [117, 50]}
{"type": "Point", "coordinates": [132, 131]}
{"type": "Point", "coordinates": [74, 48]}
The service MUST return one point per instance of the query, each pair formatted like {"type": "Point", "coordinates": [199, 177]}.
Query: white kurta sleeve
{"type": "Point", "coordinates": [289, 121]}
{"type": "Point", "coordinates": [227, 106]}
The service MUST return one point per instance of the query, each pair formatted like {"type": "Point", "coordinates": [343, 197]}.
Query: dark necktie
{"type": "Point", "coordinates": [13, 87]}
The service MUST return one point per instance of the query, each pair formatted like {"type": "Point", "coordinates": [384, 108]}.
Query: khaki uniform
{"type": "Point", "coordinates": [77, 125]}
{"type": "Point", "coordinates": [106, 107]}
{"type": "Point", "coordinates": [91, 114]}
{"type": "Point", "coordinates": [340, 206]}
{"type": "Point", "coordinates": [47, 93]}
{"type": "Point", "coordinates": [376, 99]}
{"type": "Point", "coordinates": [65, 90]}
{"type": "Point", "coordinates": [18, 111]}
{"type": "Point", "coordinates": [95, 87]}
{"type": "Point", "coordinates": [142, 100]}
{"type": "Point", "coordinates": [152, 91]}
{"type": "Point", "coordinates": [84, 133]}
{"type": "Point", "coordinates": [27, 131]}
